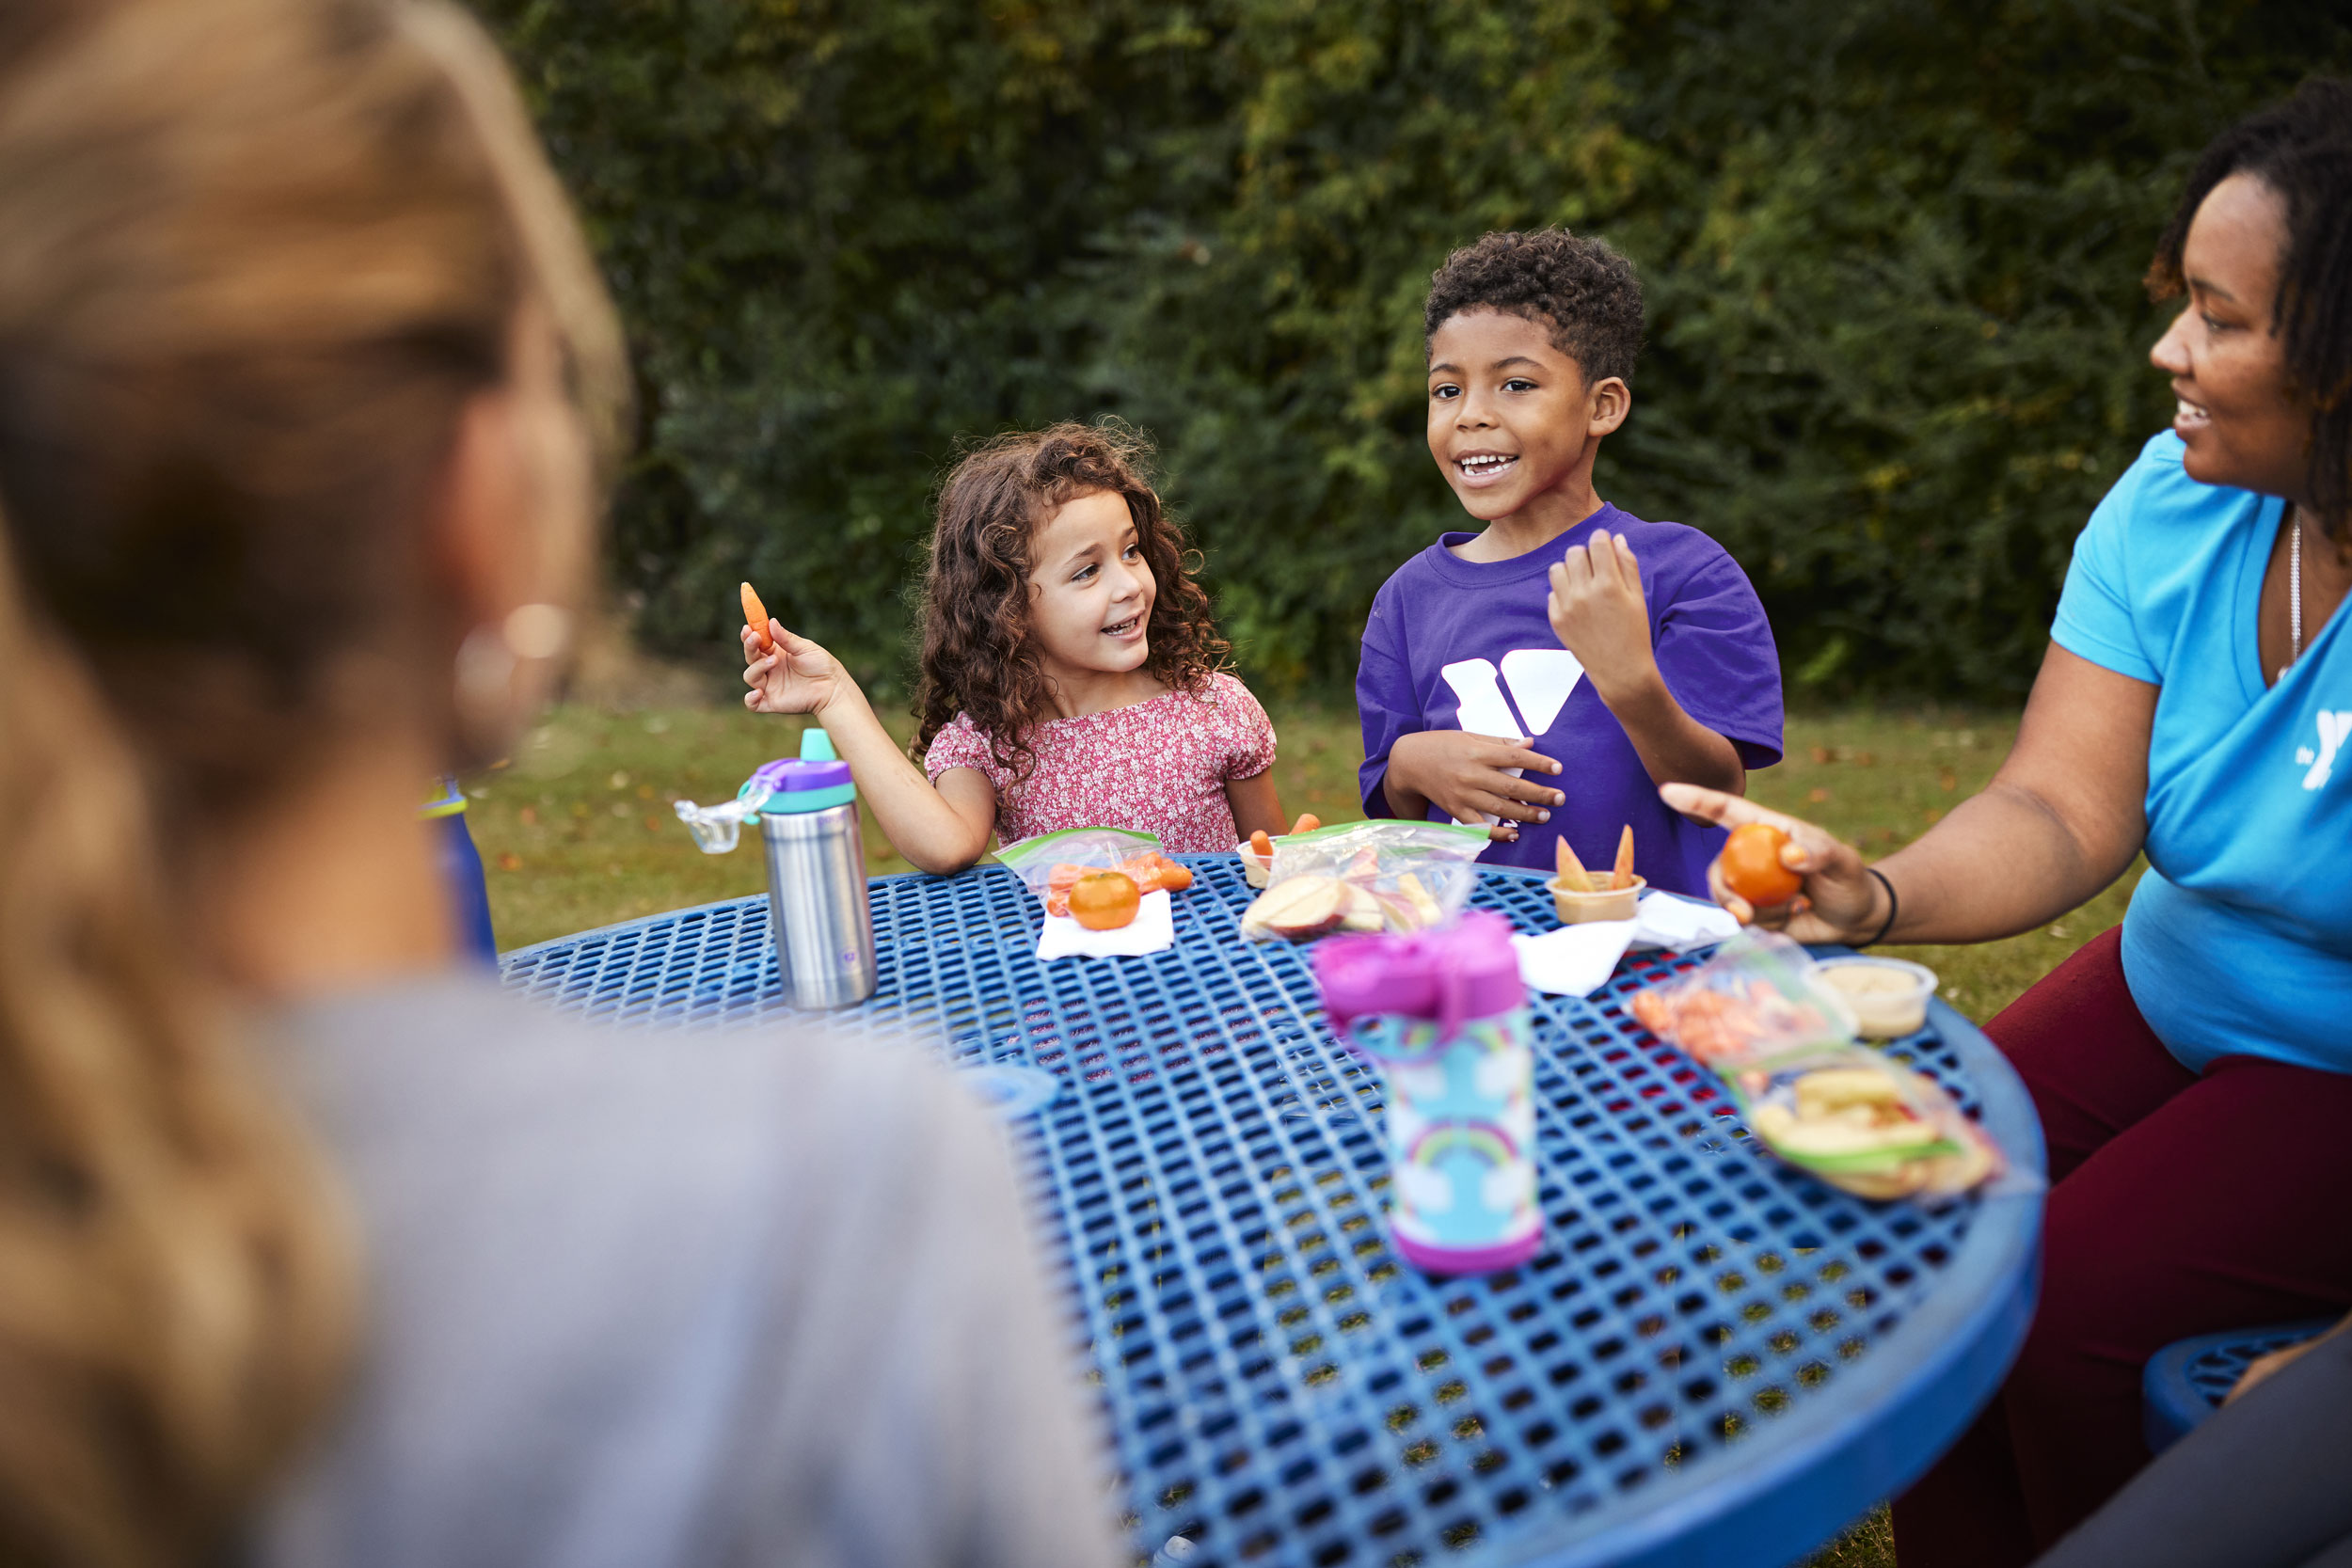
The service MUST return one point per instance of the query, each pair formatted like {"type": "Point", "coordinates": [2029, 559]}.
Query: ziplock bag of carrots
{"type": "Point", "coordinates": [1052, 866]}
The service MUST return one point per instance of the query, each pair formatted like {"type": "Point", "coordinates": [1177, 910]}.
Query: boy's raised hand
{"type": "Point", "coordinates": [1468, 778]}
{"type": "Point", "coordinates": [798, 677]}
{"type": "Point", "coordinates": [1597, 611]}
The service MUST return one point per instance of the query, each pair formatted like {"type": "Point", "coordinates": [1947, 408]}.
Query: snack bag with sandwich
{"type": "Point", "coordinates": [1865, 1124]}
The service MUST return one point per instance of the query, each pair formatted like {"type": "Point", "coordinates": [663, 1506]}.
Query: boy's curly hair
{"type": "Point", "coordinates": [2303, 150]}
{"type": "Point", "coordinates": [1586, 293]}
{"type": "Point", "coordinates": [977, 657]}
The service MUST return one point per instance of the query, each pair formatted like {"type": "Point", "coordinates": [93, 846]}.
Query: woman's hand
{"type": "Point", "coordinates": [1839, 900]}
{"type": "Point", "coordinates": [798, 677]}
{"type": "Point", "coordinates": [2265, 1367]}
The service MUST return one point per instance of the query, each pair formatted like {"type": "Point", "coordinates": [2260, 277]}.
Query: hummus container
{"type": "Point", "coordinates": [1595, 900]}
{"type": "Point", "coordinates": [1889, 997]}
{"type": "Point", "coordinates": [1253, 869]}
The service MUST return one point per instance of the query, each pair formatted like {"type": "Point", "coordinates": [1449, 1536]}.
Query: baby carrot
{"type": "Point", "coordinates": [1623, 874]}
{"type": "Point", "coordinates": [1307, 822]}
{"type": "Point", "coordinates": [1572, 869]}
{"type": "Point", "coordinates": [1260, 845]}
{"type": "Point", "coordinates": [756, 617]}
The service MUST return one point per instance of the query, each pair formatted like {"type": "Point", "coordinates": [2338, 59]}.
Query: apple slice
{"type": "Point", "coordinates": [1300, 907]}
{"type": "Point", "coordinates": [1364, 910]}
{"type": "Point", "coordinates": [1418, 899]}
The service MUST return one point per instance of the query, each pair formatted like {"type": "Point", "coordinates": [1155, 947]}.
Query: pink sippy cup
{"type": "Point", "coordinates": [1444, 1014]}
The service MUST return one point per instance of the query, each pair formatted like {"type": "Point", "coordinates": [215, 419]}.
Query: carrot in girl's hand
{"type": "Point", "coordinates": [1307, 822]}
{"type": "Point", "coordinates": [1572, 869]}
{"type": "Point", "coordinates": [1623, 875]}
{"type": "Point", "coordinates": [756, 617]}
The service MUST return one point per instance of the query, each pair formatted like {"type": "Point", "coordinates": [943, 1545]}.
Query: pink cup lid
{"type": "Point", "coordinates": [1462, 971]}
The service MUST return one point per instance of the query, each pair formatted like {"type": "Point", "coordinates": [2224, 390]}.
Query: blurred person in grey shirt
{"type": "Point", "coordinates": [316, 1246]}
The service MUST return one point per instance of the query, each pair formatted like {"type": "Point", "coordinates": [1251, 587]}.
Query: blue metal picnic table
{"type": "Point", "coordinates": [1716, 1359]}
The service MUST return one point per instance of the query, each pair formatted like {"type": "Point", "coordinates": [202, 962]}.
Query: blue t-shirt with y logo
{"type": "Point", "coordinates": [2238, 941]}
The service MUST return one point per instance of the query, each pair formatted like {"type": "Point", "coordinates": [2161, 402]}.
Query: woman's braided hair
{"type": "Point", "coordinates": [2301, 149]}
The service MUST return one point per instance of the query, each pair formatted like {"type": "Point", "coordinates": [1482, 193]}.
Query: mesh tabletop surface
{"type": "Point", "coordinates": [1714, 1358]}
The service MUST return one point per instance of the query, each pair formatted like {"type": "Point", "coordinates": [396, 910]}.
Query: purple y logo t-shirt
{"type": "Point", "coordinates": [1459, 644]}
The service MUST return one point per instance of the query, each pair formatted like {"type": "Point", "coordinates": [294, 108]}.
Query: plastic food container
{"type": "Point", "coordinates": [1889, 997]}
{"type": "Point", "coordinates": [1253, 868]}
{"type": "Point", "coordinates": [1596, 900]}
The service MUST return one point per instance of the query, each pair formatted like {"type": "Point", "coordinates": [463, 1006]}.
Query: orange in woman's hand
{"type": "Point", "coordinates": [756, 617]}
{"type": "Point", "coordinates": [1105, 901]}
{"type": "Point", "coordinates": [1752, 867]}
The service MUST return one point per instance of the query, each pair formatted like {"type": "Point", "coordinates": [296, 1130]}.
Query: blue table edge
{"type": "Point", "coordinates": [1945, 1359]}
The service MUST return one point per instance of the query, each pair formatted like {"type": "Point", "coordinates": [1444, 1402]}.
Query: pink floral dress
{"type": "Point", "coordinates": [1158, 767]}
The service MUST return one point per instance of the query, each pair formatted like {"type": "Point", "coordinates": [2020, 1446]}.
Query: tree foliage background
{"type": "Point", "coordinates": [1892, 251]}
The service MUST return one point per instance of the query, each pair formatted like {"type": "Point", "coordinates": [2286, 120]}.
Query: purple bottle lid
{"type": "Point", "coordinates": [789, 773]}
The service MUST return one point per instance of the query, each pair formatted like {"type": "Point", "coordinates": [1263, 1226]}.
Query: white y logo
{"type": "Point", "coordinates": [1539, 680]}
{"type": "Point", "coordinates": [2334, 730]}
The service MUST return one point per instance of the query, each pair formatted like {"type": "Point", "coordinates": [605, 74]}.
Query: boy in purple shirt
{"type": "Point", "coordinates": [1599, 654]}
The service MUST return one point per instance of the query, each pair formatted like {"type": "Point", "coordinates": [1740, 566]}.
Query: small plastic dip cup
{"type": "Point", "coordinates": [1889, 997]}
{"type": "Point", "coordinates": [1254, 870]}
{"type": "Point", "coordinates": [1596, 900]}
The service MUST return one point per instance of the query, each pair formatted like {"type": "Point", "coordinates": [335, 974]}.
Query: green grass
{"type": "Point", "coordinates": [578, 832]}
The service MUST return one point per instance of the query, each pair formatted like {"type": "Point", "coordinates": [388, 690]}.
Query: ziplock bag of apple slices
{"type": "Point", "coordinates": [1866, 1124]}
{"type": "Point", "coordinates": [1050, 864]}
{"type": "Point", "coordinates": [1761, 996]}
{"type": "Point", "coordinates": [1383, 876]}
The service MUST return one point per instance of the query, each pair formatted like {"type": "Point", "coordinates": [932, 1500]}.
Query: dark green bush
{"type": "Point", "coordinates": [1898, 340]}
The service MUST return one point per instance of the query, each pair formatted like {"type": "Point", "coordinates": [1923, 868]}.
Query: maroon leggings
{"type": "Point", "coordinates": [2178, 1205]}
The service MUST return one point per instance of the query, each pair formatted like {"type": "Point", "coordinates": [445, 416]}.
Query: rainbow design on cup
{"type": "Point", "coordinates": [1483, 1140]}
{"type": "Point", "coordinates": [1465, 1200]}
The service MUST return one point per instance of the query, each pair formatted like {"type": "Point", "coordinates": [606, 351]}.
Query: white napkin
{"type": "Point", "coordinates": [1574, 960]}
{"type": "Point", "coordinates": [1152, 928]}
{"type": "Point", "coordinates": [1666, 920]}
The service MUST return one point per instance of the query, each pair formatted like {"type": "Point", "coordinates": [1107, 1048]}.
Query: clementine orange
{"type": "Point", "coordinates": [1105, 901]}
{"type": "Point", "coordinates": [1752, 867]}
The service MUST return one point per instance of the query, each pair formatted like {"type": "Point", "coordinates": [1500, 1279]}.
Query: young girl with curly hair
{"type": "Point", "coordinates": [1071, 674]}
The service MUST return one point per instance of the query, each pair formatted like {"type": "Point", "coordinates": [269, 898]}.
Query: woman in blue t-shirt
{"type": "Point", "coordinates": [2193, 1070]}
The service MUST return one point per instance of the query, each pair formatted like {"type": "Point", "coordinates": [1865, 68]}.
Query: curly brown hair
{"type": "Point", "coordinates": [1580, 289]}
{"type": "Point", "coordinates": [977, 655]}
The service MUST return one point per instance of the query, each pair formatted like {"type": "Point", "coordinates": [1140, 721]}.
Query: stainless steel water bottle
{"type": "Point", "coordinates": [817, 878]}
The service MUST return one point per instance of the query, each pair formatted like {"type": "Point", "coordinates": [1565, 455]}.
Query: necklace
{"type": "Point", "coordinates": [2295, 589]}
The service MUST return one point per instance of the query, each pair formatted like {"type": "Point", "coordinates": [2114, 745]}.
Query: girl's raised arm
{"type": "Point", "coordinates": [939, 830]}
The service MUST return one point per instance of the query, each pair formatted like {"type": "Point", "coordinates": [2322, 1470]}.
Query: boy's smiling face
{"type": "Point", "coordinates": [1512, 417]}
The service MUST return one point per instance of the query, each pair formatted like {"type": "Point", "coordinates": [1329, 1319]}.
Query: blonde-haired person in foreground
{"type": "Point", "coordinates": [315, 1247]}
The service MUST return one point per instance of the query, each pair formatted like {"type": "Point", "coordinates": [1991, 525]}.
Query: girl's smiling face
{"type": "Point", "coordinates": [1510, 415]}
{"type": "Point", "coordinates": [2238, 414]}
{"type": "Point", "coordinates": [1090, 590]}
